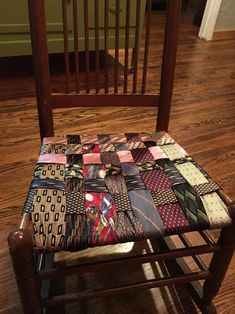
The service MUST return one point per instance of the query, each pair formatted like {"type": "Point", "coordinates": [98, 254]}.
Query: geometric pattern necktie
{"type": "Point", "coordinates": [192, 204]}
{"type": "Point", "coordinates": [216, 210]}
{"type": "Point", "coordinates": [191, 173]}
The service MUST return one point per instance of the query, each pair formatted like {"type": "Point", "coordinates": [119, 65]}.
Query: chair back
{"type": "Point", "coordinates": [99, 68]}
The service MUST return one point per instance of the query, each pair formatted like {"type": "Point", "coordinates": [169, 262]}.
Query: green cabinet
{"type": "Point", "coordinates": [14, 26]}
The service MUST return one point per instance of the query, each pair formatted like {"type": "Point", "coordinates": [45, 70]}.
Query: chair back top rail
{"type": "Point", "coordinates": [132, 75]}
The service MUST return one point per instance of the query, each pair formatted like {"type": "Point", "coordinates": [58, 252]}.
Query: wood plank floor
{"type": "Point", "coordinates": [203, 121]}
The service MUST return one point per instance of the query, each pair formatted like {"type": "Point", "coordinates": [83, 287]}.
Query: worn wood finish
{"type": "Point", "coordinates": [202, 121]}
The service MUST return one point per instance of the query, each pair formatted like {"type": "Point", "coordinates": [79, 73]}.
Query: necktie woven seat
{"type": "Point", "coordinates": [93, 190]}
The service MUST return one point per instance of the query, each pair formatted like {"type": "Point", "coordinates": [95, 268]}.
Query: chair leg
{"type": "Point", "coordinates": [47, 261]}
{"type": "Point", "coordinates": [220, 262]}
{"type": "Point", "coordinates": [21, 249]}
{"type": "Point", "coordinates": [184, 5]}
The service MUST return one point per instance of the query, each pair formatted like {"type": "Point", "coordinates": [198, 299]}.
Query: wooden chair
{"type": "Point", "coordinates": [28, 258]}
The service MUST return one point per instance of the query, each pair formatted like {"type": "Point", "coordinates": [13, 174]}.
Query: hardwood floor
{"type": "Point", "coordinates": [202, 120]}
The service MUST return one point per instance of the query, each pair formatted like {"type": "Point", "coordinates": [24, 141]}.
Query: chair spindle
{"type": "Point", "coordinates": [137, 37]}
{"type": "Point", "coordinates": [116, 66]}
{"type": "Point", "coordinates": [106, 47]}
{"type": "Point", "coordinates": [126, 45]}
{"type": "Point", "coordinates": [87, 54]}
{"type": "Point", "coordinates": [146, 48]}
{"type": "Point", "coordinates": [76, 47]}
{"type": "Point", "coordinates": [66, 46]}
{"type": "Point", "coordinates": [97, 56]}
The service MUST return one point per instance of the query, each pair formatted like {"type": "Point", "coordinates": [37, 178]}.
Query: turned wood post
{"type": "Point", "coordinates": [37, 20]}
{"type": "Point", "coordinates": [21, 249]}
{"type": "Point", "coordinates": [168, 64]}
{"type": "Point", "coordinates": [220, 261]}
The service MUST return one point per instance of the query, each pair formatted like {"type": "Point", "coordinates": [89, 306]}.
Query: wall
{"type": "Point", "coordinates": [226, 17]}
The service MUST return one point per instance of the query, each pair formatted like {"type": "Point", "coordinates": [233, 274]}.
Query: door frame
{"type": "Point", "coordinates": [209, 19]}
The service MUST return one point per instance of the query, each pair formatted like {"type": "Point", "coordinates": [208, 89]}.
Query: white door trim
{"type": "Point", "coordinates": [209, 19]}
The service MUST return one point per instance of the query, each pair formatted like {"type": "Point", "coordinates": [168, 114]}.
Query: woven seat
{"type": "Point", "coordinates": [92, 190]}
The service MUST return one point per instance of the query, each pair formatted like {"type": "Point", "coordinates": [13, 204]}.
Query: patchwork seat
{"type": "Point", "coordinates": [92, 190]}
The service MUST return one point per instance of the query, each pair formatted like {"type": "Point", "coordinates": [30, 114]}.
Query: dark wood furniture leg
{"type": "Point", "coordinates": [45, 262]}
{"type": "Point", "coordinates": [21, 249]}
{"type": "Point", "coordinates": [184, 5]}
{"type": "Point", "coordinates": [178, 266]}
{"type": "Point", "coordinates": [220, 261]}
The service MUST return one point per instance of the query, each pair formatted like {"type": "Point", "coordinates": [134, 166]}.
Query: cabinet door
{"type": "Point", "coordinates": [14, 27]}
